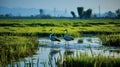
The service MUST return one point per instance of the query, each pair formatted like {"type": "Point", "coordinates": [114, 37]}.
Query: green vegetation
{"type": "Point", "coordinates": [89, 61]}
{"type": "Point", "coordinates": [111, 40]}
{"type": "Point", "coordinates": [12, 48]}
{"type": "Point", "coordinates": [30, 27]}
{"type": "Point", "coordinates": [17, 41]}
{"type": "Point", "coordinates": [83, 59]}
{"type": "Point", "coordinates": [76, 28]}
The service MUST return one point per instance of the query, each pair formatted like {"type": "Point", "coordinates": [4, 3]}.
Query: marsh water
{"type": "Point", "coordinates": [49, 53]}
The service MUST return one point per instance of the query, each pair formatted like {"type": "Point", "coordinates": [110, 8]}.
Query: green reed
{"type": "Point", "coordinates": [33, 27]}
{"type": "Point", "coordinates": [111, 40]}
{"type": "Point", "coordinates": [12, 48]}
{"type": "Point", "coordinates": [84, 60]}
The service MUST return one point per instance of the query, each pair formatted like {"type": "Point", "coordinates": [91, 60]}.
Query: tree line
{"type": "Point", "coordinates": [88, 13]}
{"type": "Point", "coordinates": [82, 14]}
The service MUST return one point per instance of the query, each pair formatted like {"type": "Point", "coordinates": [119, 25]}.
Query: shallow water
{"type": "Point", "coordinates": [49, 52]}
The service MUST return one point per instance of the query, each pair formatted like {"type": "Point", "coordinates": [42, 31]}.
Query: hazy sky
{"type": "Point", "coordinates": [69, 5]}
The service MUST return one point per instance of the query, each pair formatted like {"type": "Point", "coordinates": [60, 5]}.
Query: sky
{"type": "Point", "coordinates": [69, 5]}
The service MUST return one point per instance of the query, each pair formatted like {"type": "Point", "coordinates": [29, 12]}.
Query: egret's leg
{"type": "Point", "coordinates": [65, 44]}
{"type": "Point", "coordinates": [68, 44]}
{"type": "Point", "coordinates": [52, 42]}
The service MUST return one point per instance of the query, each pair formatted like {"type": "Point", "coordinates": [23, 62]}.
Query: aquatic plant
{"type": "Point", "coordinates": [97, 61]}
{"type": "Point", "coordinates": [12, 48]}
{"type": "Point", "coordinates": [111, 40]}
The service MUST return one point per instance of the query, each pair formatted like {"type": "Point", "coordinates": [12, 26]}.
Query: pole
{"type": "Point", "coordinates": [99, 8]}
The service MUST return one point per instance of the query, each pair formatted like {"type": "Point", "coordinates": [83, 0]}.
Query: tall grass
{"type": "Point", "coordinates": [85, 60]}
{"type": "Point", "coordinates": [89, 61]}
{"type": "Point", "coordinates": [30, 27]}
{"type": "Point", "coordinates": [111, 40]}
{"type": "Point", "coordinates": [14, 45]}
{"type": "Point", "coordinates": [12, 48]}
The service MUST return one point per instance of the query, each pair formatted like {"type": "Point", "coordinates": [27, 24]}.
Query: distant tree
{"type": "Point", "coordinates": [88, 13]}
{"type": "Point", "coordinates": [8, 15]}
{"type": "Point", "coordinates": [109, 14]}
{"type": "Point", "coordinates": [80, 11]}
{"type": "Point", "coordinates": [118, 13]}
{"type": "Point", "coordinates": [32, 16]}
{"type": "Point", "coordinates": [73, 14]}
{"type": "Point", "coordinates": [41, 12]}
{"type": "Point", "coordinates": [1, 15]}
{"type": "Point", "coordinates": [47, 16]}
{"type": "Point", "coordinates": [95, 16]}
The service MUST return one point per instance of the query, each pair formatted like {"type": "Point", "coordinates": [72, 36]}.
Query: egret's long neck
{"type": "Point", "coordinates": [66, 32]}
{"type": "Point", "coordinates": [51, 34]}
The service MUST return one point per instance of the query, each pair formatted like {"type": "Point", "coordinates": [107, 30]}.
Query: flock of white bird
{"type": "Point", "coordinates": [66, 36]}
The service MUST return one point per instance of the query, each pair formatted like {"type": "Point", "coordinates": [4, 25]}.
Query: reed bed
{"type": "Point", "coordinates": [111, 40]}
{"type": "Point", "coordinates": [13, 48]}
{"type": "Point", "coordinates": [83, 59]}
{"type": "Point", "coordinates": [40, 27]}
{"type": "Point", "coordinates": [89, 61]}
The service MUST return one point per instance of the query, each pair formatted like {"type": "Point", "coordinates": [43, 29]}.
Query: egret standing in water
{"type": "Point", "coordinates": [67, 37]}
{"type": "Point", "coordinates": [52, 37]}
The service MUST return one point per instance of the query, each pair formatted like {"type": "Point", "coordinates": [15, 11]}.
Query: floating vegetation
{"type": "Point", "coordinates": [80, 41]}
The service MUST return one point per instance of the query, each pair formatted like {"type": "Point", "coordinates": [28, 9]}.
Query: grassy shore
{"type": "Point", "coordinates": [110, 40]}
{"type": "Point", "coordinates": [13, 48]}
{"type": "Point", "coordinates": [89, 61]}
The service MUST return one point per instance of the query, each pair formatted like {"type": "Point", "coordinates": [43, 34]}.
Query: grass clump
{"type": "Point", "coordinates": [12, 48]}
{"type": "Point", "coordinates": [111, 40]}
{"type": "Point", "coordinates": [89, 61]}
